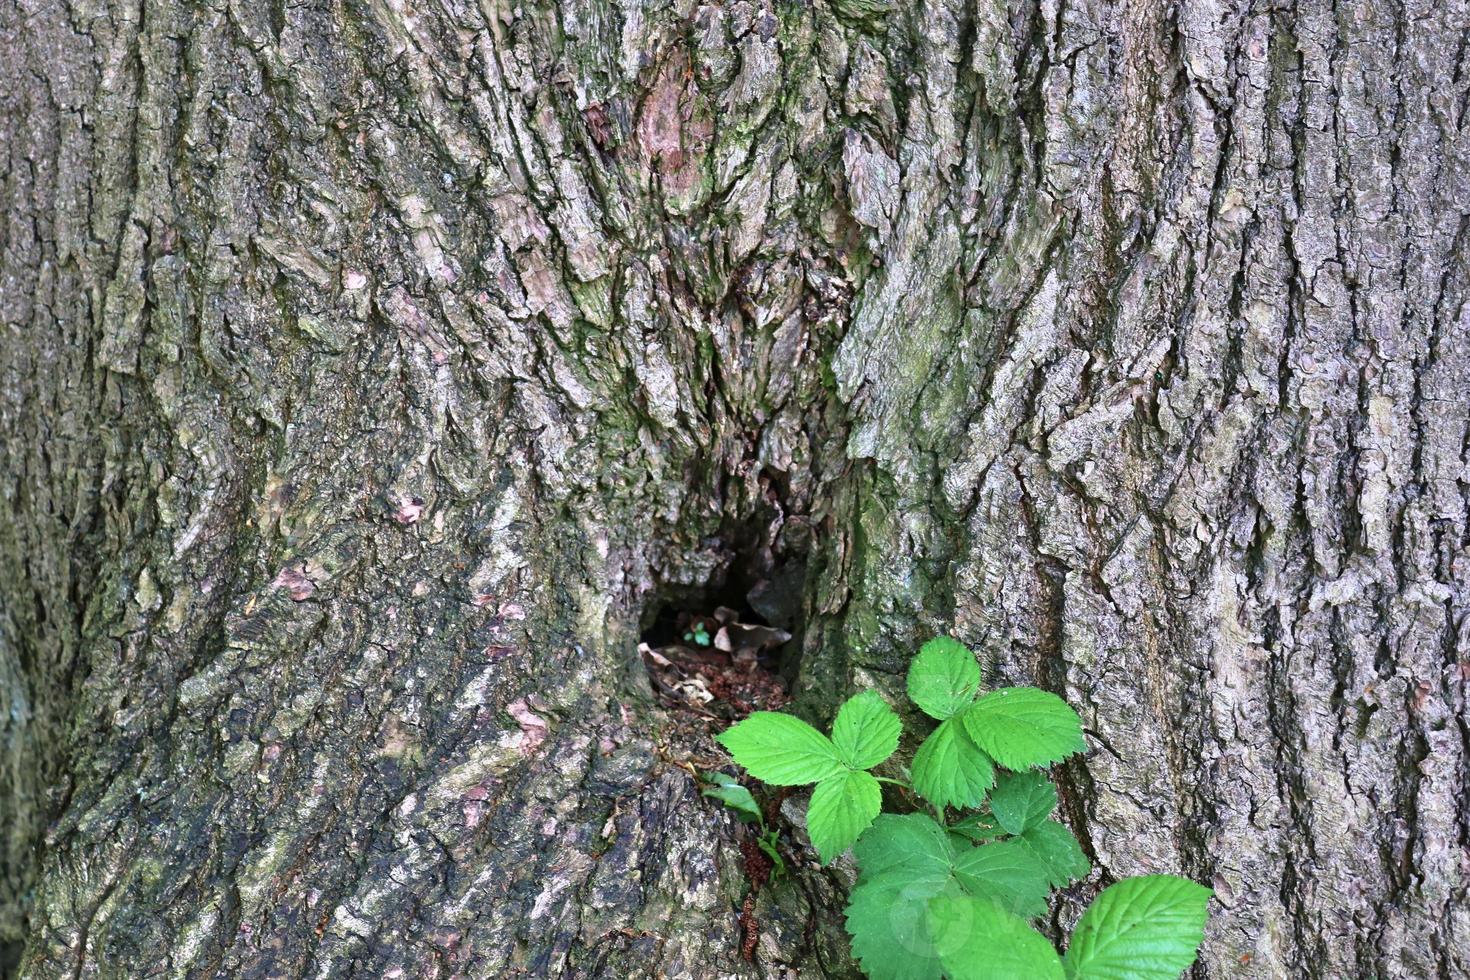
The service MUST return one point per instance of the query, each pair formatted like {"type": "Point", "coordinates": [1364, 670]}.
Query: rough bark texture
{"type": "Point", "coordinates": [369, 368]}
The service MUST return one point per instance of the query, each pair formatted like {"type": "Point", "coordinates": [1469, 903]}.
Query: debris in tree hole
{"type": "Point", "coordinates": [717, 666]}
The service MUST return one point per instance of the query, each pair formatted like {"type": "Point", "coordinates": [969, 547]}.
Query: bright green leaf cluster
{"type": "Point", "coordinates": [786, 751]}
{"type": "Point", "coordinates": [956, 899]}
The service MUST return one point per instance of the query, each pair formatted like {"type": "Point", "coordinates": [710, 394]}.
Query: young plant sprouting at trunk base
{"type": "Point", "coordinates": [727, 790]}
{"type": "Point", "coordinates": [955, 897]}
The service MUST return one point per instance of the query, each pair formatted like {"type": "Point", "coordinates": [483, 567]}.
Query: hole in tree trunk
{"type": "Point", "coordinates": [732, 645]}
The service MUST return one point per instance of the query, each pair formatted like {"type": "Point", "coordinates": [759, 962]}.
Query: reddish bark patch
{"type": "Point", "coordinates": [294, 580]}
{"type": "Point", "coordinates": [597, 124]}
{"type": "Point", "coordinates": [409, 510]}
{"type": "Point", "coordinates": [674, 132]}
{"type": "Point", "coordinates": [534, 728]}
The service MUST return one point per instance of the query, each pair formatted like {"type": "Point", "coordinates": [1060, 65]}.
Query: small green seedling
{"type": "Point", "coordinates": [697, 634]}
{"type": "Point", "coordinates": [940, 897]}
{"type": "Point", "coordinates": [727, 790]}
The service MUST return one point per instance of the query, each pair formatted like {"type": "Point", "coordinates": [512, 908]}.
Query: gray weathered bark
{"type": "Point", "coordinates": [371, 368]}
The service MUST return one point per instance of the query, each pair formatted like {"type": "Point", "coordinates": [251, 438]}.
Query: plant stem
{"type": "Point", "coordinates": [896, 782]}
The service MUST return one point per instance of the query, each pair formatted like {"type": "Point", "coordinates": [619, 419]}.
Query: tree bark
{"type": "Point", "coordinates": [372, 370]}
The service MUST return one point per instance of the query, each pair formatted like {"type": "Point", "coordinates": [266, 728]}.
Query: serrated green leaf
{"type": "Point", "coordinates": [842, 807]}
{"type": "Point", "coordinates": [781, 749]}
{"type": "Point", "coordinates": [911, 843]}
{"type": "Point", "coordinates": [1022, 799]}
{"type": "Point", "coordinates": [866, 730]}
{"type": "Point", "coordinates": [950, 769]}
{"type": "Point", "coordinates": [943, 678]}
{"type": "Point", "coordinates": [1007, 873]}
{"type": "Point", "coordinates": [888, 921]}
{"type": "Point", "coordinates": [727, 790]}
{"type": "Point", "coordinates": [1146, 928]}
{"type": "Point", "coordinates": [1058, 852]}
{"type": "Point", "coordinates": [1021, 727]}
{"type": "Point", "coordinates": [978, 940]}
{"type": "Point", "coordinates": [979, 827]}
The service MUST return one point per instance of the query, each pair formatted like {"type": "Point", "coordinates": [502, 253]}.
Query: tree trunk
{"type": "Point", "coordinates": [373, 371]}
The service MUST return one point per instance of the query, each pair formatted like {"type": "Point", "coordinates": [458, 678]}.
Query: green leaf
{"type": "Point", "coordinates": [1022, 799]}
{"type": "Point", "coordinates": [950, 769]}
{"type": "Point", "coordinates": [979, 827]}
{"type": "Point", "coordinates": [1058, 852]}
{"type": "Point", "coordinates": [1005, 872]}
{"type": "Point", "coordinates": [781, 749]}
{"type": "Point", "coordinates": [1144, 928]}
{"type": "Point", "coordinates": [842, 807]}
{"type": "Point", "coordinates": [943, 678]}
{"type": "Point", "coordinates": [727, 790]}
{"type": "Point", "coordinates": [910, 843]}
{"type": "Point", "coordinates": [1022, 727]}
{"type": "Point", "coordinates": [866, 730]}
{"type": "Point", "coordinates": [767, 843]}
{"type": "Point", "coordinates": [978, 940]}
{"type": "Point", "coordinates": [888, 921]}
